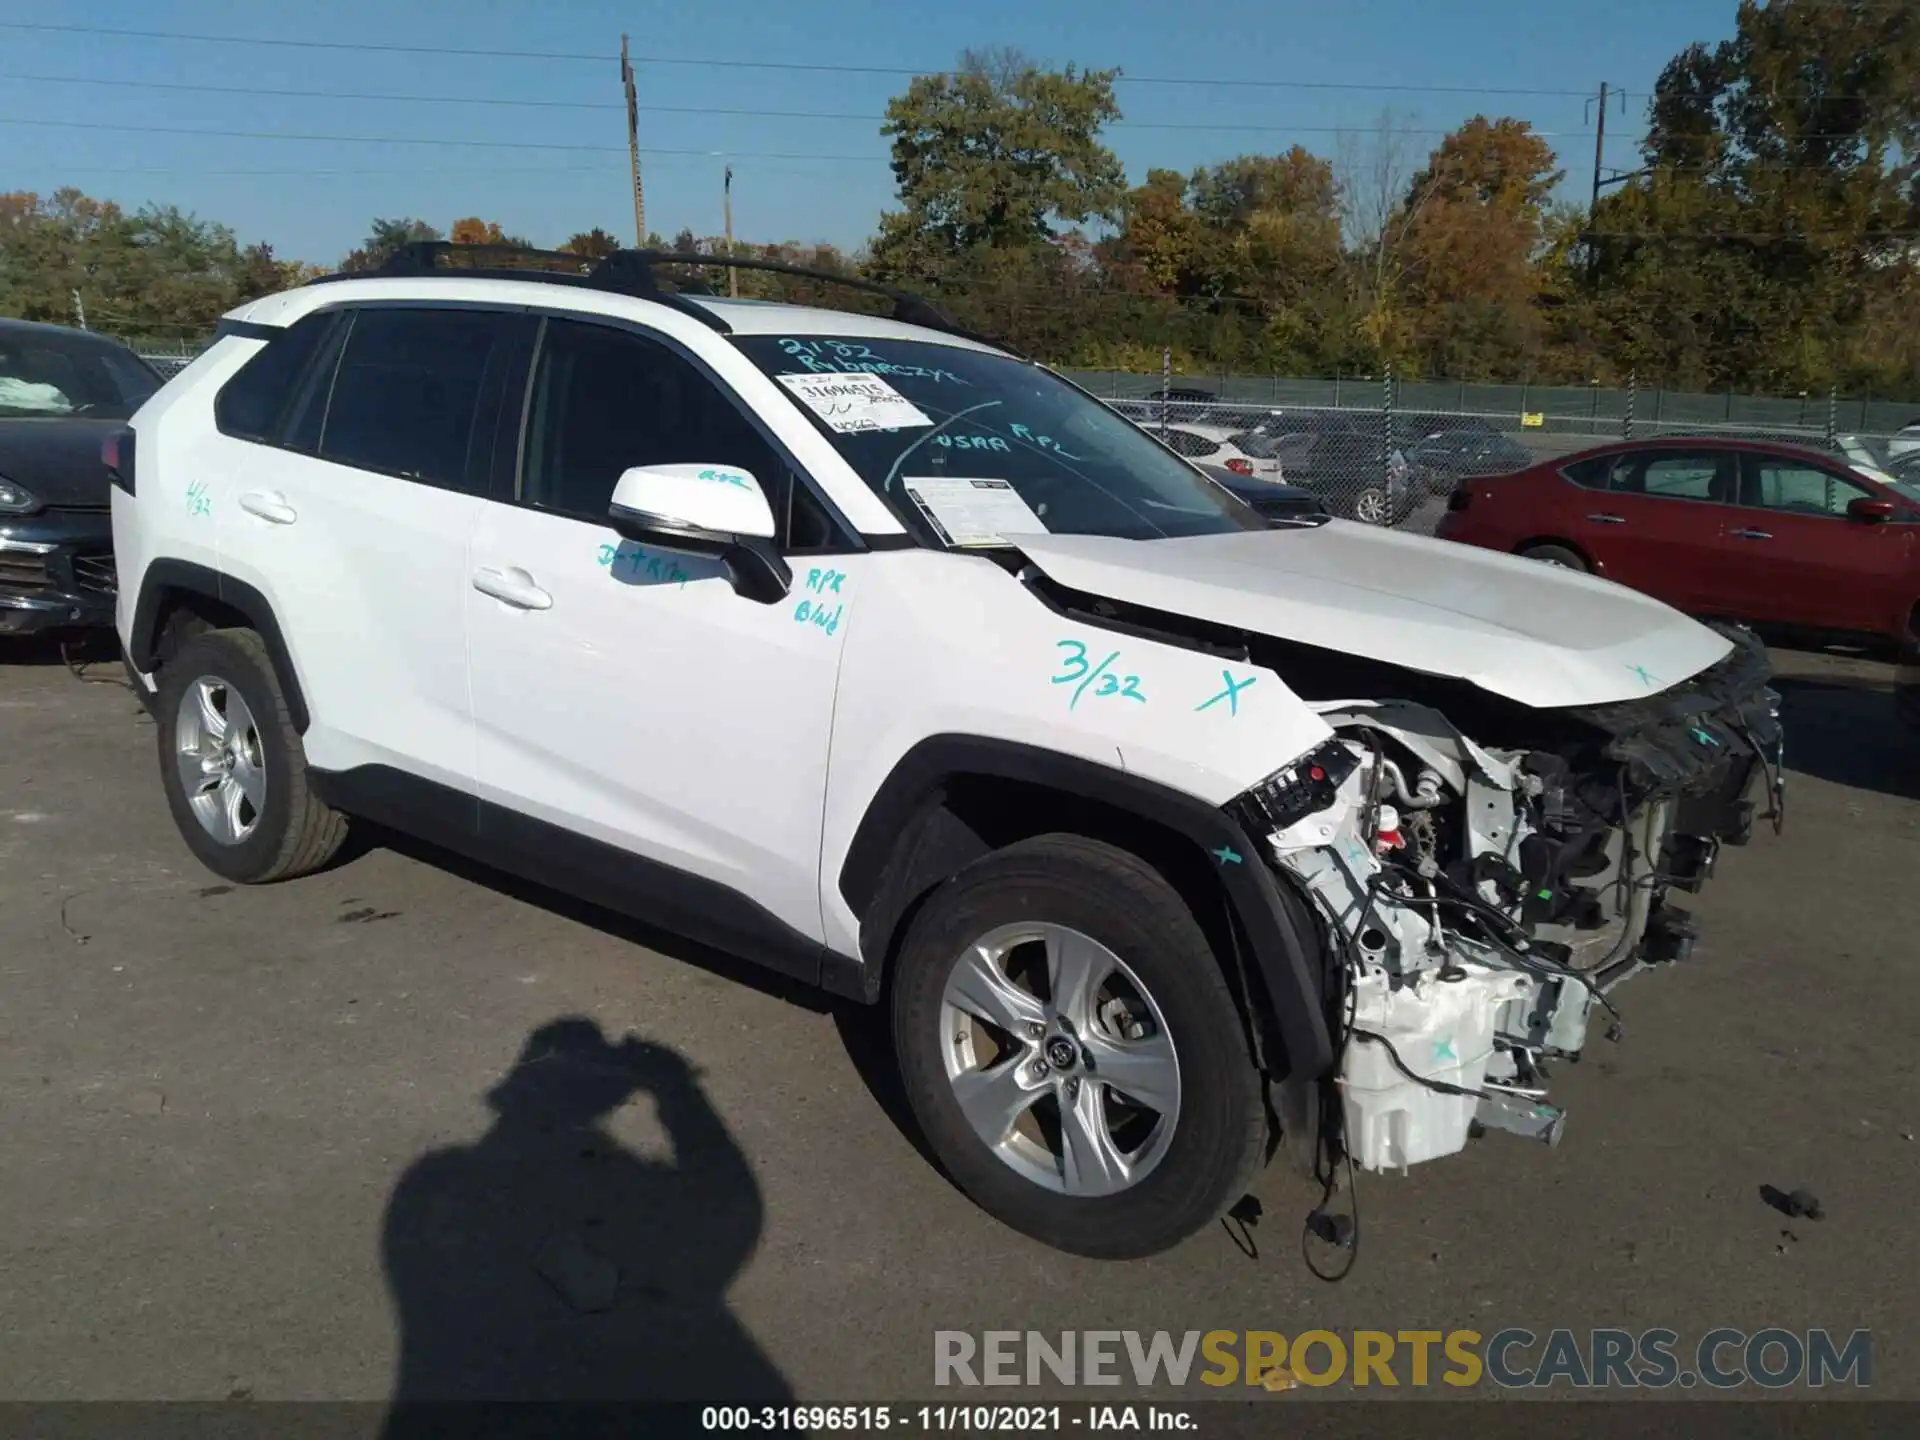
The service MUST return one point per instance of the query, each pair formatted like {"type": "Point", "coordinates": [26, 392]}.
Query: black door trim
{"type": "Point", "coordinates": [690, 906]}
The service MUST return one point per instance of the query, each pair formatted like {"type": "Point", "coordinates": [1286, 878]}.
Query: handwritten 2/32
{"type": "Point", "coordinates": [1074, 668]}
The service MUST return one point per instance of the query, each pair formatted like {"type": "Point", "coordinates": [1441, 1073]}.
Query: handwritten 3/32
{"type": "Point", "coordinates": [1076, 671]}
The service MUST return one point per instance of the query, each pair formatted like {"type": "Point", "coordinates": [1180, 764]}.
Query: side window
{"type": "Point", "coordinates": [1589, 474]}
{"type": "Point", "coordinates": [1670, 475]}
{"type": "Point", "coordinates": [252, 405]}
{"type": "Point", "coordinates": [606, 400]}
{"type": "Point", "coordinates": [1194, 447]}
{"type": "Point", "coordinates": [1798, 489]}
{"type": "Point", "coordinates": [407, 395]}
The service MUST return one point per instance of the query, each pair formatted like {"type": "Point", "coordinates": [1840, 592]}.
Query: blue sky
{"type": "Point", "coordinates": [313, 199]}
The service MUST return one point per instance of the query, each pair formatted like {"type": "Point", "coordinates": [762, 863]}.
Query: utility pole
{"type": "Point", "coordinates": [79, 310]}
{"type": "Point", "coordinates": [633, 149]}
{"type": "Point", "coordinates": [1599, 146]}
{"type": "Point", "coordinates": [733, 275]}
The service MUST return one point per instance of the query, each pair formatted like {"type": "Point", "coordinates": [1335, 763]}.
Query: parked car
{"type": "Point", "coordinates": [1446, 449]}
{"type": "Point", "coordinates": [1769, 534]}
{"type": "Point", "coordinates": [1906, 441]}
{"type": "Point", "coordinates": [1281, 504]}
{"type": "Point", "coordinates": [1184, 405]}
{"type": "Point", "coordinates": [62, 392]}
{"type": "Point", "coordinates": [774, 624]}
{"type": "Point", "coordinates": [1347, 459]}
{"type": "Point", "coordinates": [1244, 454]}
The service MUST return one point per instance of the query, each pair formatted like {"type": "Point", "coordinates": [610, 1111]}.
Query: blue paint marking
{"type": "Point", "coordinates": [1075, 667]}
{"type": "Point", "coordinates": [1704, 737]}
{"type": "Point", "coordinates": [725, 477]}
{"type": "Point", "coordinates": [822, 582]}
{"type": "Point", "coordinates": [1443, 1050]}
{"type": "Point", "coordinates": [199, 502]}
{"type": "Point", "coordinates": [820, 612]}
{"type": "Point", "coordinates": [973, 442]}
{"type": "Point", "coordinates": [1040, 442]}
{"type": "Point", "coordinates": [1231, 694]}
{"type": "Point", "coordinates": [631, 563]}
{"type": "Point", "coordinates": [841, 357]}
{"type": "Point", "coordinates": [1645, 678]}
{"type": "Point", "coordinates": [1226, 855]}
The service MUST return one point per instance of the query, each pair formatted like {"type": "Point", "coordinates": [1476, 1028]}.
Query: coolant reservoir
{"type": "Point", "coordinates": [1441, 1030]}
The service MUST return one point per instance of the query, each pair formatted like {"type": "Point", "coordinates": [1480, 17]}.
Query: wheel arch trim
{"type": "Point", "coordinates": [167, 578]}
{"type": "Point", "coordinates": [1274, 924]}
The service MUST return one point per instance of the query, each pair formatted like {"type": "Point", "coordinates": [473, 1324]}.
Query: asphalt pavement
{"type": "Point", "coordinates": [382, 1130]}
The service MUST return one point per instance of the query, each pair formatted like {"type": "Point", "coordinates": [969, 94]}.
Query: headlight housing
{"type": "Point", "coordinates": [16, 499]}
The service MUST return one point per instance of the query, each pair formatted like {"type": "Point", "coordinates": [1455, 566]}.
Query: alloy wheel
{"type": "Point", "coordinates": [223, 771]}
{"type": "Point", "coordinates": [1060, 1059]}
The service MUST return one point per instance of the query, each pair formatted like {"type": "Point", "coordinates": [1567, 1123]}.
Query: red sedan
{"type": "Point", "coordinates": [1747, 530]}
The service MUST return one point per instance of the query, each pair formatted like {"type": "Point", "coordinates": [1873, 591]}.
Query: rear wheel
{"type": "Point", "coordinates": [1555, 555]}
{"type": "Point", "coordinates": [1072, 1052]}
{"type": "Point", "coordinates": [233, 766]}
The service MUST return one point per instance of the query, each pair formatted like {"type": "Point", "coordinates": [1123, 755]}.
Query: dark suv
{"type": "Point", "coordinates": [62, 393]}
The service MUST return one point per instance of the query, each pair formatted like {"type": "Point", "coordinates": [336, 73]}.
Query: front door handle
{"type": "Point", "coordinates": [1608, 519]}
{"type": "Point", "coordinates": [269, 505]}
{"type": "Point", "coordinates": [1751, 534]}
{"type": "Point", "coordinates": [513, 587]}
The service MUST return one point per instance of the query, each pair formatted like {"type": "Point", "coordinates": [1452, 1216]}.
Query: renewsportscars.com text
{"type": "Point", "coordinates": [1721, 1359]}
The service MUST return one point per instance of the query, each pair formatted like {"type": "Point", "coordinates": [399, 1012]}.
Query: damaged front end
{"type": "Point", "coordinates": [1480, 900]}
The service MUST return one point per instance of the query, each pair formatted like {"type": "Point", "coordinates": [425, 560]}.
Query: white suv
{"type": "Point", "coordinates": [892, 660]}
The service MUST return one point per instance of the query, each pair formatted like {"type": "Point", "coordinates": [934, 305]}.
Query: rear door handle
{"type": "Point", "coordinates": [513, 587]}
{"type": "Point", "coordinates": [269, 505]}
{"type": "Point", "coordinates": [1608, 519]}
{"type": "Point", "coordinates": [1751, 534]}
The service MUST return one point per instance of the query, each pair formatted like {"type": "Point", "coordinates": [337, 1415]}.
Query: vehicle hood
{"type": "Point", "coordinates": [58, 459]}
{"type": "Point", "coordinates": [1535, 633]}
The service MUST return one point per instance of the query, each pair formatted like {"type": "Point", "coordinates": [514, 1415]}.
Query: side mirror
{"type": "Point", "coordinates": [1870, 510]}
{"type": "Point", "coordinates": [716, 510]}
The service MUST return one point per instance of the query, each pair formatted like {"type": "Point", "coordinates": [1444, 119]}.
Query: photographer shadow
{"type": "Point", "coordinates": [547, 1262]}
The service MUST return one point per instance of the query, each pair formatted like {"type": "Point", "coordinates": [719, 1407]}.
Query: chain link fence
{"type": "Point", "coordinates": [1388, 452]}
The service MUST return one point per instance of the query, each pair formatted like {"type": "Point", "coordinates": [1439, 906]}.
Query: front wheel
{"type": "Point", "coordinates": [1559, 555]}
{"type": "Point", "coordinates": [1372, 506]}
{"type": "Point", "coordinates": [1072, 1052]}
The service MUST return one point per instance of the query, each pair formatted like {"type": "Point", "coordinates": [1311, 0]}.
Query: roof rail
{"type": "Point", "coordinates": [632, 272]}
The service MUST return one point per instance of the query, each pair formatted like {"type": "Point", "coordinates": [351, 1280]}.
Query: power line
{"type": "Point", "coordinates": [491, 101]}
{"type": "Point", "coordinates": [1211, 81]}
{"type": "Point", "coordinates": [420, 140]}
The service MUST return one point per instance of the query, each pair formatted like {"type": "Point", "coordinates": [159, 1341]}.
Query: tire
{"type": "Point", "coordinates": [278, 828]}
{"type": "Point", "coordinates": [1371, 506]}
{"type": "Point", "coordinates": [1556, 555]}
{"type": "Point", "coordinates": [1187, 1171]}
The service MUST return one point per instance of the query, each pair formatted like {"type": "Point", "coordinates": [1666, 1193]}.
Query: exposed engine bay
{"type": "Point", "coordinates": [1480, 902]}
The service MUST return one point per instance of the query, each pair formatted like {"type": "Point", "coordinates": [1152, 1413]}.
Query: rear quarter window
{"type": "Point", "coordinates": [253, 404]}
{"type": "Point", "coordinates": [1589, 474]}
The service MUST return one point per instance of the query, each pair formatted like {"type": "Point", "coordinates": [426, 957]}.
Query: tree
{"type": "Point", "coordinates": [1773, 227]}
{"type": "Point", "coordinates": [995, 155]}
{"type": "Point", "coordinates": [1476, 231]}
{"type": "Point", "coordinates": [474, 231]}
{"type": "Point", "coordinates": [161, 271]}
{"type": "Point", "coordinates": [594, 244]}
{"type": "Point", "coordinates": [386, 237]}
{"type": "Point", "coordinates": [1374, 174]}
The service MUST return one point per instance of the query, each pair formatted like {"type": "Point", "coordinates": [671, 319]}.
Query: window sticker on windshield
{"type": "Point", "coordinates": [973, 512]}
{"type": "Point", "coordinates": [854, 404]}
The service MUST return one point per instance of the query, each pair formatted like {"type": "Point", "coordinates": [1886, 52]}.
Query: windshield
{"type": "Point", "coordinates": [972, 448]}
{"type": "Point", "coordinates": [55, 377]}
